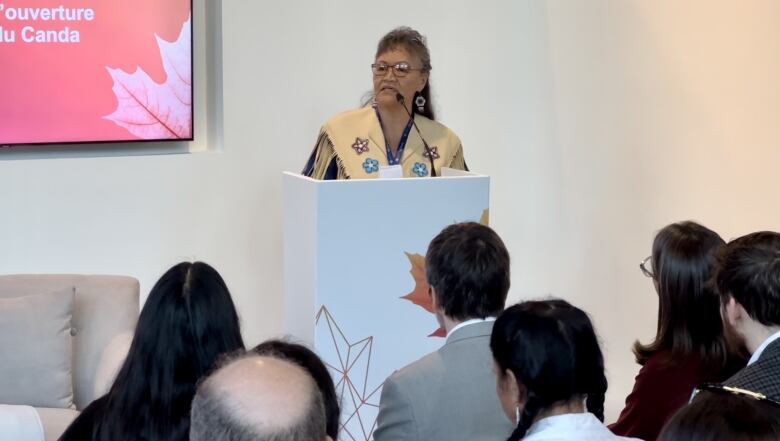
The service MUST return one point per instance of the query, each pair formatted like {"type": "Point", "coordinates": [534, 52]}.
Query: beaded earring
{"type": "Point", "coordinates": [420, 103]}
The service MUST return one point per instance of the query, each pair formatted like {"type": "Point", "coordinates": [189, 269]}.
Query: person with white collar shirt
{"type": "Point", "coordinates": [747, 277]}
{"type": "Point", "coordinates": [450, 394]}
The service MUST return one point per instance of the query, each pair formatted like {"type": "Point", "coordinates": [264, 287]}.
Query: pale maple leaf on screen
{"type": "Point", "coordinates": [150, 110]}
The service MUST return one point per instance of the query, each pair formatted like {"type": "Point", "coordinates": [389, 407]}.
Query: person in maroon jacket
{"type": "Point", "coordinates": [690, 346]}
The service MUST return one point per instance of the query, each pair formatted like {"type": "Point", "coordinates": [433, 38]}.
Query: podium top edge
{"type": "Point", "coordinates": [339, 181]}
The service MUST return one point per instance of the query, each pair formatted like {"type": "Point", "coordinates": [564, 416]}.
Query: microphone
{"type": "Point", "coordinates": [428, 151]}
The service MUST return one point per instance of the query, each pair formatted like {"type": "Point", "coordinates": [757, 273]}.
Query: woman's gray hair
{"type": "Point", "coordinates": [410, 40]}
{"type": "Point", "coordinates": [416, 44]}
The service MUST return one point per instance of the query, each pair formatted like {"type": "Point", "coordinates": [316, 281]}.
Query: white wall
{"type": "Point", "coordinates": [599, 120]}
{"type": "Point", "coordinates": [659, 111]}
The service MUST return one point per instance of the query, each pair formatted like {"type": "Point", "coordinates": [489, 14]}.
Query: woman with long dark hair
{"type": "Point", "coordinates": [689, 347]}
{"type": "Point", "coordinates": [550, 372]}
{"type": "Point", "coordinates": [187, 322]}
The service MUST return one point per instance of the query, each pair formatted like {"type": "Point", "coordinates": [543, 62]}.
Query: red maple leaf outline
{"type": "Point", "coordinates": [420, 293]}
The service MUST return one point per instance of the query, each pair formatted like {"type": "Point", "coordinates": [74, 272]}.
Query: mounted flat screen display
{"type": "Point", "coordinates": [81, 71]}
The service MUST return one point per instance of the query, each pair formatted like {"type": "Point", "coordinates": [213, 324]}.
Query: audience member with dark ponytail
{"type": "Point", "coordinates": [589, 370]}
{"type": "Point", "coordinates": [550, 372]}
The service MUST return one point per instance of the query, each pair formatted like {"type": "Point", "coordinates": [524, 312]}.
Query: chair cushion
{"type": "Point", "coordinates": [111, 361]}
{"type": "Point", "coordinates": [55, 421]}
{"type": "Point", "coordinates": [35, 343]}
{"type": "Point", "coordinates": [104, 306]}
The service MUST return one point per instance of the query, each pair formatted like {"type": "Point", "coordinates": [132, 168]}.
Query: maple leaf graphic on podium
{"type": "Point", "coordinates": [420, 295]}
{"type": "Point", "coordinates": [150, 110]}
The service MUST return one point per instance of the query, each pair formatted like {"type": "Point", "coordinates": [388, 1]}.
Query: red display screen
{"type": "Point", "coordinates": [95, 71]}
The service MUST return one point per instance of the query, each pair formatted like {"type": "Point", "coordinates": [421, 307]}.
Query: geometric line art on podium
{"type": "Point", "coordinates": [351, 366]}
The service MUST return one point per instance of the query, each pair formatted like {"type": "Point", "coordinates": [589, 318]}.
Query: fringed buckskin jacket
{"type": "Point", "coordinates": [351, 145]}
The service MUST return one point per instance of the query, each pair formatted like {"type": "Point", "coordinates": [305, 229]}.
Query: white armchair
{"type": "Point", "coordinates": [104, 310]}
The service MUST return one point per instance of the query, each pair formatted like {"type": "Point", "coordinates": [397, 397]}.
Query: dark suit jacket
{"type": "Point", "coordinates": [447, 395]}
{"type": "Point", "coordinates": [762, 376]}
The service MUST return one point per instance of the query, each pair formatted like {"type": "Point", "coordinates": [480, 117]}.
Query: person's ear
{"type": "Point", "coordinates": [436, 305]}
{"type": "Point", "coordinates": [328, 438]}
{"type": "Point", "coordinates": [733, 312]}
{"type": "Point", "coordinates": [513, 387]}
{"type": "Point", "coordinates": [423, 81]}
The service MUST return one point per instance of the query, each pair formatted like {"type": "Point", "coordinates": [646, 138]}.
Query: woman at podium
{"type": "Point", "coordinates": [397, 130]}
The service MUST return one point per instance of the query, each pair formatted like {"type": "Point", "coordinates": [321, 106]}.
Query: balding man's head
{"type": "Point", "coordinates": [257, 398]}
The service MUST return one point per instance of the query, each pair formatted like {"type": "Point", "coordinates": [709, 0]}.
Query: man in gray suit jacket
{"type": "Point", "coordinates": [747, 277]}
{"type": "Point", "coordinates": [451, 393]}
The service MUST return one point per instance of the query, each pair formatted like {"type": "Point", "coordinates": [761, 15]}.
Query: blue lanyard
{"type": "Point", "coordinates": [395, 160]}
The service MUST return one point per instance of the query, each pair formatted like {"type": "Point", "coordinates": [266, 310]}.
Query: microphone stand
{"type": "Point", "coordinates": [428, 151]}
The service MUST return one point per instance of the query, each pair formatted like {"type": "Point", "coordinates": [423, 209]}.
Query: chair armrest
{"type": "Point", "coordinates": [111, 361]}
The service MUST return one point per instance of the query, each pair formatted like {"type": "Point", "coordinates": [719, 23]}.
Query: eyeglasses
{"type": "Point", "coordinates": [399, 69]}
{"type": "Point", "coordinates": [643, 265]}
{"type": "Point", "coordinates": [719, 388]}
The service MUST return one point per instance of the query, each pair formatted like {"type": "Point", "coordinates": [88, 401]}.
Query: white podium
{"type": "Point", "coordinates": [354, 281]}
